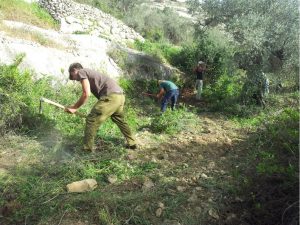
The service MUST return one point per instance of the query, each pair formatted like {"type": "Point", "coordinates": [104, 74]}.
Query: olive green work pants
{"type": "Point", "coordinates": [107, 106]}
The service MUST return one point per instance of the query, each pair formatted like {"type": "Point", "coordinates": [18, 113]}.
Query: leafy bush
{"type": "Point", "coordinates": [226, 87]}
{"type": "Point", "coordinates": [160, 50]}
{"type": "Point", "coordinates": [157, 25]}
{"type": "Point", "coordinates": [171, 122]}
{"type": "Point", "coordinates": [276, 161]}
{"type": "Point", "coordinates": [17, 93]}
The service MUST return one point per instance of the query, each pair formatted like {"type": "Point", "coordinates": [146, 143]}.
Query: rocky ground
{"type": "Point", "coordinates": [188, 181]}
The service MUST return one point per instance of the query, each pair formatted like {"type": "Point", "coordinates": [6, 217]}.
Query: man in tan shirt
{"type": "Point", "coordinates": [110, 103]}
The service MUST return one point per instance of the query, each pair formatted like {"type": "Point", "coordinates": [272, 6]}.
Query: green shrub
{"type": "Point", "coordinates": [172, 122]}
{"type": "Point", "coordinates": [17, 90]}
{"type": "Point", "coordinates": [162, 51]}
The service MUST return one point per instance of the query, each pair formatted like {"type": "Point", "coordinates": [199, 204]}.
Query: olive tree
{"type": "Point", "coordinates": [266, 31]}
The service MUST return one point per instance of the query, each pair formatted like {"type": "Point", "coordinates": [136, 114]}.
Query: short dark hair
{"type": "Point", "coordinates": [75, 66]}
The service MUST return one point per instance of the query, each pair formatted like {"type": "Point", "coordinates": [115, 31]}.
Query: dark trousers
{"type": "Point", "coordinates": [170, 95]}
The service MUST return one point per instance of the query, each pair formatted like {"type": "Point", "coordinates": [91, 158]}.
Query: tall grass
{"type": "Point", "coordinates": [31, 13]}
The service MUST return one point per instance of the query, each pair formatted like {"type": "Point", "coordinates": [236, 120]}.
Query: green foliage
{"type": "Point", "coordinates": [262, 37]}
{"type": "Point", "coordinates": [22, 11]}
{"type": "Point", "coordinates": [225, 88]}
{"type": "Point", "coordinates": [19, 95]}
{"type": "Point", "coordinates": [157, 25]}
{"type": "Point", "coordinates": [214, 48]}
{"type": "Point", "coordinates": [171, 122]}
{"type": "Point", "coordinates": [116, 8]}
{"type": "Point", "coordinates": [132, 87]}
{"type": "Point", "coordinates": [162, 51]}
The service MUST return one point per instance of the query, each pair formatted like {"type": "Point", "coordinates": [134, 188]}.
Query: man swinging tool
{"type": "Point", "coordinates": [110, 103]}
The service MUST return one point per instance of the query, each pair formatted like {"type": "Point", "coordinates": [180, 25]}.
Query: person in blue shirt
{"type": "Point", "coordinates": [169, 91]}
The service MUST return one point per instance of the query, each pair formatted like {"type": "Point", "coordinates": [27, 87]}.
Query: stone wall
{"type": "Point", "coordinates": [79, 18]}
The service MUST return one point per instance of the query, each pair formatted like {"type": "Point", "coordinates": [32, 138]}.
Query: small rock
{"type": "Point", "coordinates": [139, 208]}
{"type": "Point", "coordinates": [82, 186]}
{"type": "Point", "coordinates": [148, 184]}
{"type": "Point", "coordinates": [112, 179]}
{"type": "Point", "coordinates": [213, 214]}
{"type": "Point", "coordinates": [131, 157]}
{"type": "Point", "coordinates": [181, 188]}
{"type": "Point", "coordinates": [238, 199]}
{"type": "Point", "coordinates": [158, 212]}
{"type": "Point", "coordinates": [211, 165]}
{"type": "Point", "coordinates": [228, 141]}
{"type": "Point", "coordinates": [198, 188]}
{"type": "Point", "coordinates": [200, 157]}
{"type": "Point", "coordinates": [165, 156]}
{"type": "Point", "coordinates": [193, 198]}
{"type": "Point", "coordinates": [185, 165]}
{"type": "Point", "coordinates": [198, 209]}
{"type": "Point", "coordinates": [230, 218]}
{"type": "Point", "coordinates": [203, 175]}
{"type": "Point", "coordinates": [161, 205]}
{"type": "Point", "coordinates": [171, 222]}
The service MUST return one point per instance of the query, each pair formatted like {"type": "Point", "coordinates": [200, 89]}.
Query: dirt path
{"type": "Point", "coordinates": [194, 165]}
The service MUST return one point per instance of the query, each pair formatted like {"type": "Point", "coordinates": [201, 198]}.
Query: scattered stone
{"type": "Point", "coordinates": [148, 184]}
{"type": "Point", "coordinates": [161, 205]}
{"type": "Point", "coordinates": [131, 157]}
{"type": "Point", "coordinates": [82, 186]}
{"type": "Point", "coordinates": [139, 208]}
{"type": "Point", "coordinates": [165, 156]}
{"type": "Point", "coordinates": [185, 165]}
{"type": "Point", "coordinates": [158, 212]}
{"type": "Point", "coordinates": [181, 188]}
{"type": "Point", "coordinates": [200, 157]}
{"type": "Point", "coordinates": [211, 165]}
{"type": "Point", "coordinates": [171, 222]}
{"type": "Point", "coordinates": [112, 179]}
{"type": "Point", "coordinates": [213, 214]}
{"type": "Point", "coordinates": [154, 160]}
{"type": "Point", "coordinates": [228, 141]}
{"type": "Point", "coordinates": [231, 219]}
{"type": "Point", "coordinates": [198, 209]}
{"type": "Point", "coordinates": [204, 176]}
{"type": "Point", "coordinates": [193, 198]}
{"type": "Point", "coordinates": [238, 199]}
{"type": "Point", "coordinates": [198, 188]}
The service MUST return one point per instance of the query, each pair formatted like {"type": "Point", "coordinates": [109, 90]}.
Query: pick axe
{"type": "Point", "coordinates": [148, 94]}
{"type": "Point", "coordinates": [42, 99]}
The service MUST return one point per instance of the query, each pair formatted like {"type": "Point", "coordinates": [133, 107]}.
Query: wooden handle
{"type": "Point", "coordinates": [60, 106]}
{"type": "Point", "coordinates": [52, 103]}
{"type": "Point", "coordinates": [148, 94]}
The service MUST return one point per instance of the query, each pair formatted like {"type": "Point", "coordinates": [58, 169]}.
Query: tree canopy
{"type": "Point", "coordinates": [267, 29]}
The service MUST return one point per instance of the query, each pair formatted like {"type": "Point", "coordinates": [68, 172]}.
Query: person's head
{"type": "Point", "coordinates": [159, 82]}
{"type": "Point", "coordinates": [201, 63]}
{"type": "Point", "coordinates": [73, 70]}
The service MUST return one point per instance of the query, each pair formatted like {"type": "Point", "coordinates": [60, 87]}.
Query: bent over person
{"type": "Point", "coordinates": [170, 92]}
{"type": "Point", "coordinates": [110, 103]}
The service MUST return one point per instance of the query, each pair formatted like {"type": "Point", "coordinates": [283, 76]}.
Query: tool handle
{"type": "Point", "coordinates": [149, 94]}
{"type": "Point", "coordinates": [60, 106]}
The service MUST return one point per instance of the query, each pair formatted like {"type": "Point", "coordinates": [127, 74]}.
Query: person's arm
{"type": "Point", "coordinates": [86, 92]}
{"type": "Point", "coordinates": [160, 94]}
